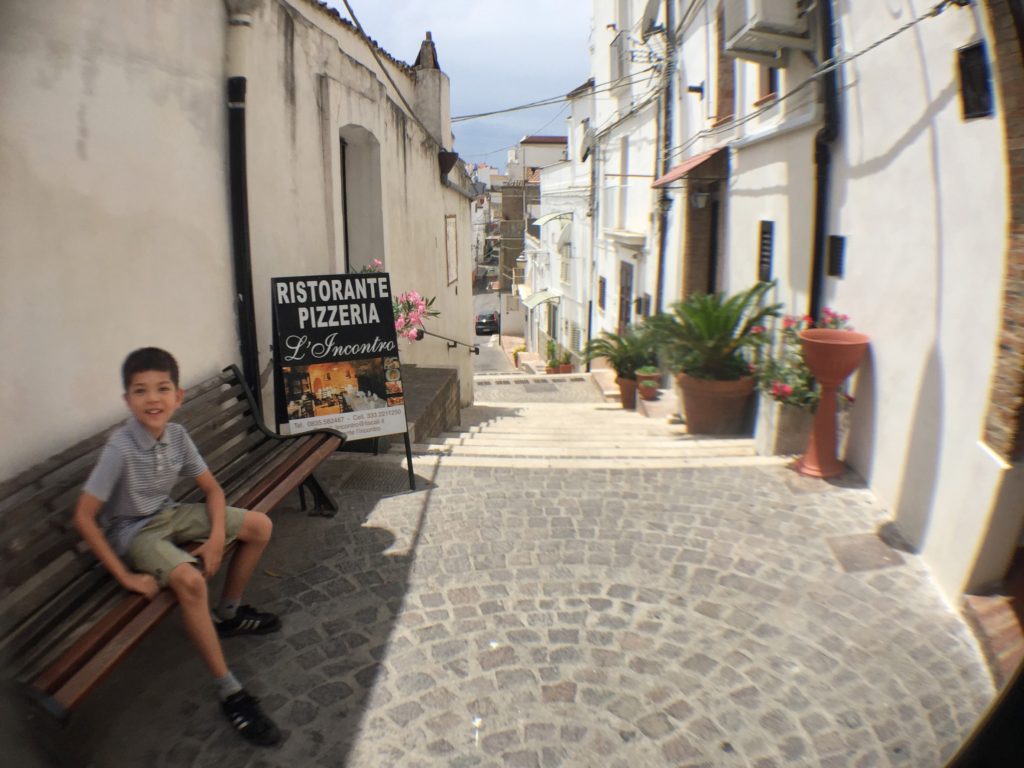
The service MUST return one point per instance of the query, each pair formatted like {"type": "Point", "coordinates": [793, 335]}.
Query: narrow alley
{"type": "Point", "coordinates": [540, 602]}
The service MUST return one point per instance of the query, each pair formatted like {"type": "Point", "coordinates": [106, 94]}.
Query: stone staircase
{"type": "Point", "coordinates": [571, 435]}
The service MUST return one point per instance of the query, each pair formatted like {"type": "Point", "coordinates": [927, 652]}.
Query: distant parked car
{"type": "Point", "coordinates": [487, 323]}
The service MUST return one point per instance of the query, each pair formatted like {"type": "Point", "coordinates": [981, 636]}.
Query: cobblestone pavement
{"type": "Point", "coordinates": [545, 618]}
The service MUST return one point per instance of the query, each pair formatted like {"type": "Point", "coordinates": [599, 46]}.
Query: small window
{"type": "Point", "coordinates": [575, 337]}
{"type": "Point", "coordinates": [768, 85]}
{"type": "Point", "coordinates": [975, 81]}
{"type": "Point", "coordinates": [602, 288]}
{"type": "Point", "coordinates": [766, 244]}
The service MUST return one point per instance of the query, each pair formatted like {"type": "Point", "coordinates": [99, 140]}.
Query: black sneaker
{"type": "Point", "coordinates": [244, 713]}
{"type": "Point", "coordinates": [248, 621]}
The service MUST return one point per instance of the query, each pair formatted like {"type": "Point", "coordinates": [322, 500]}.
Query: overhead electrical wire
{"type": "Point", "coordinates": [825, 68]}
{"type": "Point", "coordinates": [599, 88]}
{"type": "Point", "coordinates": [373, 50]}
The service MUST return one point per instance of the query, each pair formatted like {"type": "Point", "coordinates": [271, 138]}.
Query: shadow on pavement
{"type": "Point", "coordinates": [338, 584]}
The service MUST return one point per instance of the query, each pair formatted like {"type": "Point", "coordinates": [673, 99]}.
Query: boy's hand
{"type": "Point", "coordinates": [210, 554]}
{"type": "Point", "coordinates": [142, 583]}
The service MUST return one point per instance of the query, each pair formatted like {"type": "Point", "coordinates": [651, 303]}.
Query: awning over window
{"type": "Point", "coordinates": [551, 217]}
{"type": "Point", "coordinates": [535, 299]}
{"type": "Point", "coordinates": [685, 167]}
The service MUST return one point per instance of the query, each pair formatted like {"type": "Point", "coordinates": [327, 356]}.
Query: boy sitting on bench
{"type": "Point", "coordinates": [128, 493]}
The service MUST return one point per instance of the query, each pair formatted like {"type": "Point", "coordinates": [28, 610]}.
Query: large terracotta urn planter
{"type": "Point", "coordinates": [627, 393]}
{"type": "Point", "coordinates": [715, 407]}
{"type": "Point", "coordinates": [832, 355]}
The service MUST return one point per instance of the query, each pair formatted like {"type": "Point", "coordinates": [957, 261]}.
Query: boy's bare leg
{"type": "Point", "coordinates": [189, 586]}
{"type": "Point", "coordinates": [252, 541]}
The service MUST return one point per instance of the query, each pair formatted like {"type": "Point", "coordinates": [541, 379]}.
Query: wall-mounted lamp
{"type": "Point", "coordinates": [698, 89]}
{"type": "Point", "coordinates": [699, 198]}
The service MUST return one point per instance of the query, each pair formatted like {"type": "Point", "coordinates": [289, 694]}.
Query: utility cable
{"type": "Point", "coordinates": [531, 133]}
{"type": "Point", "coordinates": [556, 99]}
{"type": "Point", "coordinates": [827, 67]}
{"type": "Point", "coordinates": [373, 50]}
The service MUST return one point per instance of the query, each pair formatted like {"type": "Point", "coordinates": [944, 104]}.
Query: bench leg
{"type": "Point", "coordinates": [322, 504]}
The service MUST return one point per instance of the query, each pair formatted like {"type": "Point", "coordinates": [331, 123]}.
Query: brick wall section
{"type": "Point", "coordinates": [1003, 425]}
{"type": "Point", "coordinates": [710, 175]}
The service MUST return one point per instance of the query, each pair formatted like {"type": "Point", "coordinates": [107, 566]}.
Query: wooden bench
{"type": "Point", "coordinates": [66, 621]}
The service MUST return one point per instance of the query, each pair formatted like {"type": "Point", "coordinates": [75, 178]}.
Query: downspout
{"type": "Point", "coordinates": [823, 141]}
{"type": "Point", "coordinates": [664, 199]}
{"type": "Point", "coordinates": [239, 25]}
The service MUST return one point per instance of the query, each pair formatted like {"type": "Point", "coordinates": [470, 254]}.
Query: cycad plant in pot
{"type": "Point", "coordinates": [710, 339]}
{"type": "Point", "coordinates": [625, 353]}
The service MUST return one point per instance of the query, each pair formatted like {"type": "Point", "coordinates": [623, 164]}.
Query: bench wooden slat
{"type": "Point", "coordinates": [277, 492]}
{"type": "Point", "coordinates": [106, 658]}
{"type": "Point", "coordinates": [86, 612]}
{"type": "Point", "coordinates": [236, 473]}
{"type": "Point", "coordinates": [238, 482]}
{"type": "Point", "coordinates": [18, 605]}
{"type": "Point", "coordinates": [216, 421]}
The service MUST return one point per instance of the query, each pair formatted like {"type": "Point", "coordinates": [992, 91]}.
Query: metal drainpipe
{"type": "Point", "coordinates": [664, 200]}
{"type": "Point", "coordinates": [823, 141]}
{"type": "Point", "coordinates": [238, 28]}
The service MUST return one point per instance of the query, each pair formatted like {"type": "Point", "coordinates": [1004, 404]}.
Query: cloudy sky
{"type": "Point", "coordinates": [497, 55]}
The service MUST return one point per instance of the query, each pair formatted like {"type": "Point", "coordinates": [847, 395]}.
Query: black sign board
{"type": "Point", "coordinates": [336, 355]}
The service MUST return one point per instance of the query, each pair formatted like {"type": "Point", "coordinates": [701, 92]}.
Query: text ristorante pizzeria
{"type": "Point", "coordinates": [336, 303]}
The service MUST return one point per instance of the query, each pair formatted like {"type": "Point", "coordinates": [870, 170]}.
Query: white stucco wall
{"type": "Point", "coordinates": [309, 87]}
{"type": "Point", "coordinates": [114, 195]}
{"type": "Point", "coordinates": [113, 208]}
{"type": "Point", "coordinates": [921, 195]}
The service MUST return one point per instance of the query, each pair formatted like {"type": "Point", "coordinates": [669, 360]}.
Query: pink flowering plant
{"type": "Point", "coordinates": [783, 374]}
{"type": "Point", "coordinates": [410, 308]}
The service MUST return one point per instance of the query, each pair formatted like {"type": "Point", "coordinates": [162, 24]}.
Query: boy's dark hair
{"type": "Point", "coordinates": [149, 359]}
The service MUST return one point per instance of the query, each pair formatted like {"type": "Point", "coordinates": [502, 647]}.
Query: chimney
{"type": "Point", "coordinates": [432, 100]}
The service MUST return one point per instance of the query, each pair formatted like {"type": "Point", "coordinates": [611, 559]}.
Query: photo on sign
{"type": "Point", "coordinates": [326, 389]}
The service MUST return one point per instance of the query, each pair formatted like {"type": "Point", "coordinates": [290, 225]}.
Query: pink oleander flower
{"type": "Point", "coordinates": [790, 321]}
{"type": "Point", "coordinates": [376, 263]}
{"type": "Point", "coordinates": [756, 329]}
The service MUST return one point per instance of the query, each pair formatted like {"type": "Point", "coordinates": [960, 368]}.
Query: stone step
{"type": "Point", "coordinates": [581, 431]}
{"type": "Point", "coordinates": [427, 462]}
{"type": "Point", "coordinates": [560, 439]}
{"type": "Point", "coordinates": [597, 452]}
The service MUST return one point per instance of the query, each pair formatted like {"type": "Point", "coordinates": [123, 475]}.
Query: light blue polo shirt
{"type": "Point", "coordinates": [135, 474]}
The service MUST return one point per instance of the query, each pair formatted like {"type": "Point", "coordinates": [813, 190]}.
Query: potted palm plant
{"type": "Point", "coordinates": [552, 361]}
{"type": "Point", "coordinates": [565, 362]}
{"type": "Point", "coordinates": [647, 379]}
{"type": "Point", "coordinates": [709, 338]}
{"type": "Point", "coordinates": [625, 353]}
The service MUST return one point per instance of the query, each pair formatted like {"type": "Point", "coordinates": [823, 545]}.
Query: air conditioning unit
{"type": "Point", "coordinates": [764, 29]}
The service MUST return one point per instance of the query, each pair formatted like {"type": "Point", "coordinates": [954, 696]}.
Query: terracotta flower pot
{"type": "Point", "coordinates": [832, 355]}
{"type": "Point", "coordinates": [565, 368]}
{"type": "Point", "coordinates": [715, 407]}
{"type": "Point", "coordinates": [627, 393]}
{"type": "Point", "coordinates": [647, 385]}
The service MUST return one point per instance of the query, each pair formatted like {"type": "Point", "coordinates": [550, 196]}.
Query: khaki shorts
{"type": "Point", "coordinates": [154, 549]}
